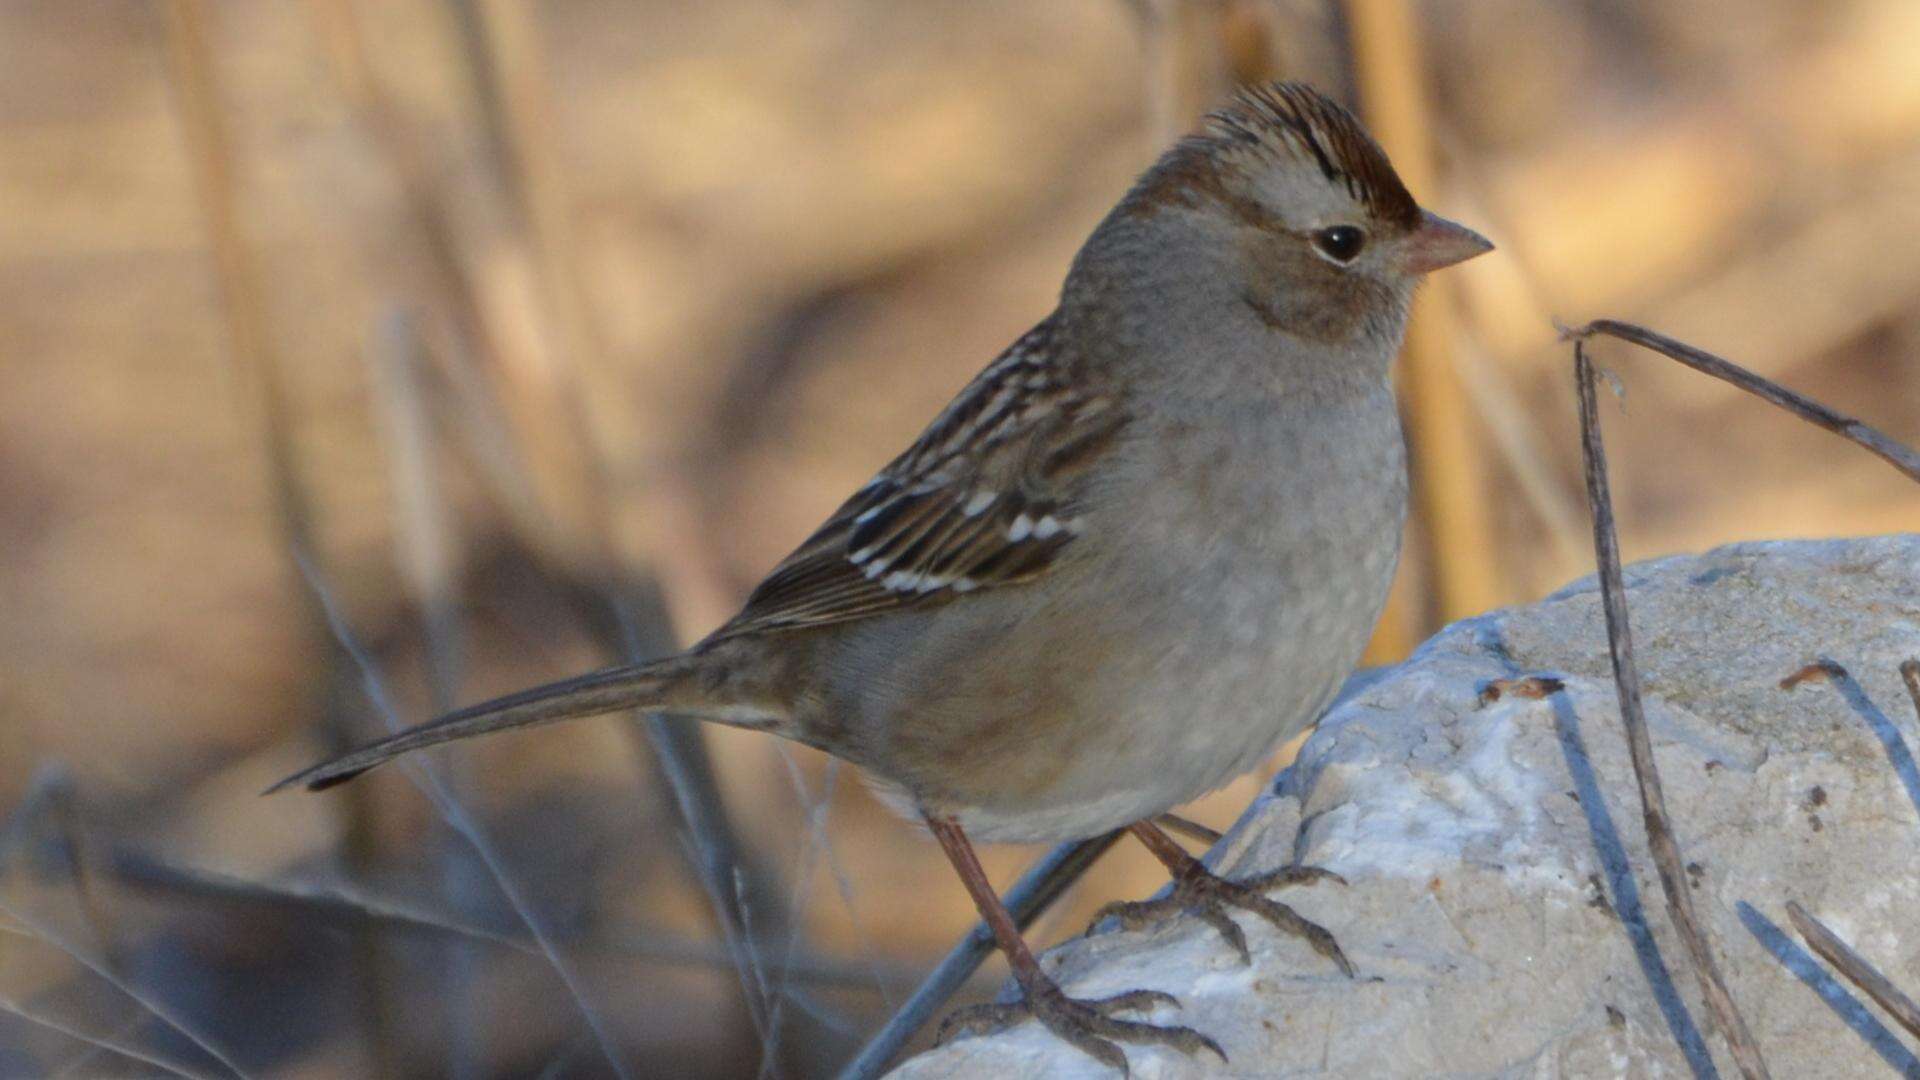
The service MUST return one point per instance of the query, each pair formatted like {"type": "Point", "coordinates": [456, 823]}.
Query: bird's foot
{"type": "Point", "coordinates": [1206, 896]}
{"type": "Point", "coordinates": [1088, 1025]}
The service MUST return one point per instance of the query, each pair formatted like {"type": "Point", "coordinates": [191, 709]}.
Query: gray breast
{"type": "Point", "coordinates": [1263, 554]}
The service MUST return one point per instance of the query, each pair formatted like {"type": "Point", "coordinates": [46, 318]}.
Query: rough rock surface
{"type": "Point", "coordinates": [1502, 908]}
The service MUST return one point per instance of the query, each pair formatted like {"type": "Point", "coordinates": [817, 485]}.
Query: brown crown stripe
{"type": "Point", "coordinates": [1286, 119]}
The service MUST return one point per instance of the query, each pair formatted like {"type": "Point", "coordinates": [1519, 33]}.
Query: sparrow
{"type": "Point", "coordinates": [1138, 551]}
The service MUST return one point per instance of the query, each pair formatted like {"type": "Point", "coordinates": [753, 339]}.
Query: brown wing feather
{"type": "Point", "coordinates": [988, 496]}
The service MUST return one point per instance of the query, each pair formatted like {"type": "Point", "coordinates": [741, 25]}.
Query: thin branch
{"type": "Point", "coordinates": [1872, 439]}
{"type": "Point", "coordinates": [817, 847]}
{"type": "Point", "coordinates": [50, 794]}
{"type": "Point", "coordinates": [1660, 836]}
{"type": "Point", "coordinates": [507, 62]}
{"type": "Point", "coordinates": [429, 563]}
{"type": "Point", "coordinates": [813, 843]}
{"type": "Point", "coordinates": [259, 369]}
{"type": "Point", "coordinates": [95, 1049]}
{"type": "Point", "coordinates": [1036, 890]}
{"type": "Point", "coordinates": [336, 904]}
{"type": "Point", "coordinates": [159, 1008]}
{"type": "Point", "coordinates": [1855, 967]}
{"type": "Point", "coordinates": [521, 444]}
{"type": "Point", "coordinates": [107, 1043]}
{"type": "Point", "coordinates": [342, 904]}
{"type": "Point", "coordinates": [541, 460]}
{"type": "Point", "coordinates": [680, 753]}
{"type": "Point", "coordinates": [1189, 828]}
{"type": "Point", "coordinates": [842, 881]}
{"type": "Point", "coordinates": [430, 783]}
{"type": "Point", "coordinates": [425, 538]}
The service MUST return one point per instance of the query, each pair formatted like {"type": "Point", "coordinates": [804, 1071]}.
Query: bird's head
{"type": "Point", "coordinates": [1286, 206]}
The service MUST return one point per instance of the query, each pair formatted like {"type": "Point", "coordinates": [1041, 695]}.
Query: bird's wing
{"type": "Point", "coordinates": [989, 495]}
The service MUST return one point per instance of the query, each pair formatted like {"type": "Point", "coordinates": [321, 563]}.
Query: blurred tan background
{"type": "Point", "coordinates": [520, 336]}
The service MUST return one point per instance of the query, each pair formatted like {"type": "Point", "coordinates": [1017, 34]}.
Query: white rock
{"type": "Point", "coordinates": [1500, 891]}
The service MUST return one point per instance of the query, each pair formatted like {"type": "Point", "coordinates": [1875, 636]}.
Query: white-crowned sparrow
{"type": "Point", "coordinates": [1142, 548]}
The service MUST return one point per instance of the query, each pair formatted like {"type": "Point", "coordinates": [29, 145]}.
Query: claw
{"type": "Point", "coordinates": [1292, 875]}
{"type": "Point", "coordinates": [1208, 897]}
{"type": "Point", "coordinates": [1087, 1025]}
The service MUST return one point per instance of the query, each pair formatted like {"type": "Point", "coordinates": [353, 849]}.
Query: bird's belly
{"type": "Point", "coordinates": [1183, 691]}
{"type": "Point", "coordinates": [1176, 714]}
{"type": "Point", "coordinates": [1206, 639]}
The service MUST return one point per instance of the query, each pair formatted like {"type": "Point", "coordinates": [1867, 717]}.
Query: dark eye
{"type": "Point", "coordinates": [1341, 243]}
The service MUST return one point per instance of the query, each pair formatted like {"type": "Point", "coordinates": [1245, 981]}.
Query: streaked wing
{"type": "Point", "coordinates": [990, 494]}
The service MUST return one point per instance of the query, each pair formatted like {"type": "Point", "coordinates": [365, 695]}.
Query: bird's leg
{"type": "Point", "coordinates": [1088, 1025]}
{"type": "Point", "coordinates": [1207, 896]}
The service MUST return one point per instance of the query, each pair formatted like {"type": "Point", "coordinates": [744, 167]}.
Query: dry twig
{"type": "Point", "coordinates": [537, 456]}
{"type": "Point", "coordinates": [432, 785]}
{"type": "Point", "coordinates": [1660, 835]}
{"type": "Point", "coordinates": [1613, 595]}
{"type": "Point", "coordinates": [174, 1019]}
{"type": "Point", "coordinates": [1855, 967]}
{"type": "Point", "coordinates": [112, 1044]}
{"type": "Point", "coordinates": [1189, 828]}
{"type": "Point", "coordinates": [1877, 442]}
{"type": "Point", "coordinates": [506, 60]}
{"type": "Point", "coordinates": [260, 370]}
{"type": "Point", "coordinates": [430, 565]}
{"type": "Point", "coordinates": [345, 904]}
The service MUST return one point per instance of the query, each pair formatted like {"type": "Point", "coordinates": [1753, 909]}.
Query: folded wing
{"type": "Point", "coordinates": [989, 495]}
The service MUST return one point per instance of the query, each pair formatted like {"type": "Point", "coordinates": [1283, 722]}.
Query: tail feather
{"type": "Point", "coordinates": [639, 686]}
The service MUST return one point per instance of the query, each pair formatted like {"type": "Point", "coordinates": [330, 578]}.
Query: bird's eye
{"type": "Point", "coordinates": [1341, 243]}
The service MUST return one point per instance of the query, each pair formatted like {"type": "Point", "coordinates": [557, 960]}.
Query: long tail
{"type": "Point", "coordinates": [657, 684]}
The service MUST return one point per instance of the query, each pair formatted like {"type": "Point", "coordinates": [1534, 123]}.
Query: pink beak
{"type": "Point", "coordinates": [1438, 243]}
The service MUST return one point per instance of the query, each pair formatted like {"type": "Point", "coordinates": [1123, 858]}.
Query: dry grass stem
{"type": "Point", "coordinates": [1660, 834]}
{"type": "Point", "coordinates": [541, 460]}
{"type": "Point", "coordinates": [1613, 594]}
{"type": "Point", "coordinates": [348, 904]}
{"type": "Point", "coordinates": [1189, 828]}
{"type": "Point", "coordinates": [1521, 446]}
{"type": "Point", "coordinates": [457, 818]}
{"type": "Point", "coordinates": [424, 532]}
{"type": "Point", "coordinates": [1855, 967]}
{"type": "Point", "coordinates": [537, 477]}
{"type": "Point", "coordinates": [1872, 439]}
{"type": "Point", "coordinates": [259, 370]}
{"type": "Point", "coordinates": [151, 1003]}
{"type": "Point", "coordinates": [107, 1043]}
{"type": "Point", "coordinates": [425, 549]}
{"type": "Point", "coordinates": [1465, 575]}
{"type": "Point", "coordinates": [210, 153]}
{"type": "Point", "coordinates": [507, 62]}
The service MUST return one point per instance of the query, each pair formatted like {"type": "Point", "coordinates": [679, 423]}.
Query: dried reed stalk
{"type": "Point", "coordinates": [1448, 465]}
{"type": "Point", "coordinates": [1855, 967]}
{"type": "Point", "coordinates": [1660, 835]}
{"type": "Point", "coordinates": [507, 62]}
{"type": "Point", "coordinates": [1873, 440]}
{"type": "Point", "coordinates": [261, 374]}
{"type": "Point", "coordinates": [1653, 802]}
